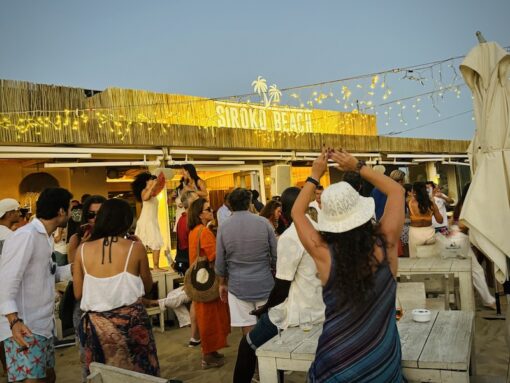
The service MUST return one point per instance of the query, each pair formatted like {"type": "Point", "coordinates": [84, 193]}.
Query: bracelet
{"type": "Point", "coordinates": [17, 320]}
{"type": "Point", "coordinates": [313, 181]}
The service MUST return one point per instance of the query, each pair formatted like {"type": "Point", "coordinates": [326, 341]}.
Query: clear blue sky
{"type": "Point", "coordinates": [216, 48]}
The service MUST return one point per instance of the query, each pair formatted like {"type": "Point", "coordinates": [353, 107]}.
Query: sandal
{"type": "Point", "coordinates": [212, 363]}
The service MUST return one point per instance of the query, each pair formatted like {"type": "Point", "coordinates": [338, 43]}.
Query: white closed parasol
{"type": "Point", "coordinates": [486, 209]}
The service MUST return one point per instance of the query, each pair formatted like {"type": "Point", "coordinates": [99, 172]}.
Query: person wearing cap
{"type": "Point", "coordinates": [357, 263]}
{"type": "Point", "coordinates": [9, 215]}
{"type": "Point", "coordinates": [27, 296]}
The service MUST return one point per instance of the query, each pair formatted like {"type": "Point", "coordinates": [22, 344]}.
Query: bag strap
{"type": "Point", "coordinates": [198, 248]}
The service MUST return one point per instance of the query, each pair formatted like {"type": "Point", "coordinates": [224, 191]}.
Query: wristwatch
{"type": "Point", "coordinates": [313, 181]}
{"type": "Point", "coordinates": [359, 165]}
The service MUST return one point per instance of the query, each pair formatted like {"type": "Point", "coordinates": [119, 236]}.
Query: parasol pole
{"type": "Point", "coordinates": [480, 37]}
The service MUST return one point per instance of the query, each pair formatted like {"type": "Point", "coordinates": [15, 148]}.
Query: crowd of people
{"type": "Point", "coordinates": [327, 254]}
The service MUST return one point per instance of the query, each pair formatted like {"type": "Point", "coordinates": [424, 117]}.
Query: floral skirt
{"type": "Point", "coordinates": [121, 337]}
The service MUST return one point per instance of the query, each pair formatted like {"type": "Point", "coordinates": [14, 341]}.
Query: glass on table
{"type": "Point", "coordinates": [305, 320]}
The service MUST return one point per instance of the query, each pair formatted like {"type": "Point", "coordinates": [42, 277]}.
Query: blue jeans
{"type": "Point", "coordinates": [246, 358]}
{"type": "Point", "coordinates": [262, 332]}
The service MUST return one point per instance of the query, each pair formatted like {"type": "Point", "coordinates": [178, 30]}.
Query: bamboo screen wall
{"type": "Point", "coordinates": [84, 122]}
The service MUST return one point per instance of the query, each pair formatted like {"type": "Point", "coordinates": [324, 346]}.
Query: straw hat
{"type": "Point", "coordinates": [343, 209]}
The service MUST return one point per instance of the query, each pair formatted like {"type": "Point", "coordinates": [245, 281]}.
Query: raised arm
{"type": "Point", "coordinates": [309, 237]}
{"type": "Point", "coordinates": [202, 189]}
{"type": "Point", "coordinates": [147, 192]}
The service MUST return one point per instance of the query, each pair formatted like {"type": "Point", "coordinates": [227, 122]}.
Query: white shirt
{"type": "Point", "coordinates": [223, 213]}
{"type": "Point", "coordinates": [296, 265]}
{"type": "Point", "coordinates": [441, 205]}
{"type": "Point", "coordinates": [28, 285]}
{"type": "Point", "coordinates": [315, 205]}
{"type": "Point", "coordinates": [5, 331]}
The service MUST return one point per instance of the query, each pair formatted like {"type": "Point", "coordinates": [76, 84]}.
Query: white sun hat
{"type": "Point", "coordinates": [343, 209]}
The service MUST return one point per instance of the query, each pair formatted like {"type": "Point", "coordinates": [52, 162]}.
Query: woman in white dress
{"type": "Point", "coordinates": [145, 188]}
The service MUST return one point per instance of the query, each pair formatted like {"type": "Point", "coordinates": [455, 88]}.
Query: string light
{"type": "Point", "coordinates": [120, 119]}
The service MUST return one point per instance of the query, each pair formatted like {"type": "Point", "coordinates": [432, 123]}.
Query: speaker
{"type": "Point", "coordinates": [280, 179]}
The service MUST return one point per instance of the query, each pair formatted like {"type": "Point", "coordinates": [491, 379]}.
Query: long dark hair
{"type": "Point", "coordinates": [86, 206]}
{"type": "Point", "coordinates": [288, 198]}
{"type": "Point", "coordinates": [114, 219]}
{"type": "Point", "coordinates": [458, 208]}
{"type": "Point", "coordinates": [269, 209]}
{"type": "Point", "coordinates": [194, 212]}
{"type": "Point", "coordinates": [180, 186]}
{"type": "Point", "coordinates": [140, 183]}
{"type": "Point", "coordinates": [422, 197]}
{"type": "Point", "coordinates": [354, 259]}
{"type": "Point", "coordinates": [192, 173]}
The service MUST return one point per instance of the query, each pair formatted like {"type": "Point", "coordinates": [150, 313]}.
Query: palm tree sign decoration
{"type": "Point", "coordinates": [260, 87]}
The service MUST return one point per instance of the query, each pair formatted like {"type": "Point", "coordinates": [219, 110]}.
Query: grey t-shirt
{"type": "Point", "coordinates": [245, 250]}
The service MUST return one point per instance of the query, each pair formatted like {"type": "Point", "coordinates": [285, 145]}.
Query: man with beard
{"type": "Point", "coordinates": [27, 297]}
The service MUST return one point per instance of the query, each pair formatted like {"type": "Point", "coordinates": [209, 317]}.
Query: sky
{"type": "Point", "coordinates": [217, 48]}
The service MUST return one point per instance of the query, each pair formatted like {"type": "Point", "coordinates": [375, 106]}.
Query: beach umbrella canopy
{"type": "Point", "coordinates": [486, 209]}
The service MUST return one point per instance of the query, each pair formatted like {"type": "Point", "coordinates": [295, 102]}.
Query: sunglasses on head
{"type": "Point", "coordinates": [91, 214]}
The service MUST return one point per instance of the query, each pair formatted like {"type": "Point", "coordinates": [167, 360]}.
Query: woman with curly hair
{"type": "Point", "coordinates": [357, 262]}
{"type": "Point", "coordinates": [145, 188]}
{"type": "Point", "coordinates": [272, 211]}
{"type": "Point", "coordinates": [421, 209]}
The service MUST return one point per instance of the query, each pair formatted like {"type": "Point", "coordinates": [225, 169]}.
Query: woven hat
{"type": "Point", "coordinates": [343, 209]}
{"type": "Point", "coordinates": [8, 204]}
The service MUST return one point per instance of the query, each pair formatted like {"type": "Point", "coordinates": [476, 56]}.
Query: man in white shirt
{"type": "Point", "coordinates": [297, 291]}
{"type": "Point", "coordinates": [224, 211]}
{"type": "Point", "coordinates": [27, 297]}
{"type": "Point", "coordinates": [316, 203]}
{"type": "Point", "coordinates": [441, 201]}
{"type": "Point", "coordinates": [9, 215]}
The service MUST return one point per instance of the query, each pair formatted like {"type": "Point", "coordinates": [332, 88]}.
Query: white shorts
{"type": "Point", "coordinates": [240, 311]}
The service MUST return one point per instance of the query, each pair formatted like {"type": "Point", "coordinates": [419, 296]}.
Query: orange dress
{"type": "Point", "coordinates": [213, 318]}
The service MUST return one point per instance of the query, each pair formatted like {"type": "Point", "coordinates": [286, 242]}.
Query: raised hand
{"type": "Point", "coordinates": [320, 164]}
{"type": "Point", "coordinates": [346, 161]}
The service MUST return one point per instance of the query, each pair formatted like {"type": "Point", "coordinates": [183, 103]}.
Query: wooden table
{"type": "Point", "coordinates": [296, 353]}
{"type": "Point", "coordinates": [439, 350]}
{"type": "Point", "coordinates": [460, 268]}
{"type": "Point", "coordinates": [165, 279]}
{"type": "Point", "coordinates": [436, 351]}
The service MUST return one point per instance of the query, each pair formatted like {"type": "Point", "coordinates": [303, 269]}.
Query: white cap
{"type": "Point", "coordinates": [8, 204]}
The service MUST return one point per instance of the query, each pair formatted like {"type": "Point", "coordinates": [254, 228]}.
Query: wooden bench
{"type": "Point", "coordinates": [436, 351]}
{"type": "Point", "coordinates": [460, 268]}
{"type": "Point", "coordinates": [101, 373]}
{"type": "Point", "coordinates": [296, 353]}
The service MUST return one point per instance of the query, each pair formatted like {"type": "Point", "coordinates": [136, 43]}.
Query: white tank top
{"type": "Point", "coordinates": [105, 294]}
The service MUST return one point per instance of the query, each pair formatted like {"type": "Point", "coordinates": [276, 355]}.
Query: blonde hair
{"type": "Point", "coordinates": [397, 175]}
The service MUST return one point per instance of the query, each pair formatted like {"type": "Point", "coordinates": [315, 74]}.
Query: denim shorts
{"type": "Point", "coordinates": [31, 363]}
{"type": "Point", "coordinates": [262, 332]}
